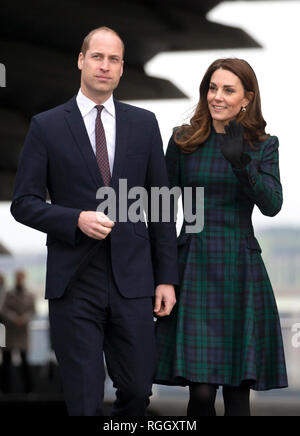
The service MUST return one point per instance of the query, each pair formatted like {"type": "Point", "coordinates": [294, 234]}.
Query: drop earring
{"type": "Point", "coordinates": [243, 109]}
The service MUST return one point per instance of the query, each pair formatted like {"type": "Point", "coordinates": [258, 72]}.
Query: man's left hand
{"type": "Point", "coordinates": [165, 300]}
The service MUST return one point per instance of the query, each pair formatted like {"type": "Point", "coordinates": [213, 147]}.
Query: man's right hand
{"type": "Point", "coordinates": [96, 225]}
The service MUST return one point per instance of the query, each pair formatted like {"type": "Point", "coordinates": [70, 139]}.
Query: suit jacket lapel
{"type": "Point", "coordinates": [77, 127]}
{"type": "Point", "coordinates": [122, 130]}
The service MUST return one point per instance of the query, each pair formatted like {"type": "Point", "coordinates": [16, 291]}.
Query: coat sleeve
{"type": "Point", "coordinates": [173, 163]}
{"type": "Point", "coordinates": [261, 182]}
{"type": "Point", "coordinates": [30, 309]}
{"type": "Point", "coordinates": [162, 233]}
{"type": "Point", "coordinates": [29, 204]}
{"type": "Point", "coordinates": [7, 312]}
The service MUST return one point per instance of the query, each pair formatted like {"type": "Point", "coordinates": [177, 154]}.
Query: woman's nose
{"type": "Point", "coordinates": [219, 95]}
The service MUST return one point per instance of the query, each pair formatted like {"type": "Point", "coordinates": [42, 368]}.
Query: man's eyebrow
{"type": "Point", "coordinates": [100, 53]}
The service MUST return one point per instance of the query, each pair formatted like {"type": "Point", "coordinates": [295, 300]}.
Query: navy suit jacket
{"type": "Point", "coordinates": [57, 156]}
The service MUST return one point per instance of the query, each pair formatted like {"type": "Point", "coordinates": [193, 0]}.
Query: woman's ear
{"type": "Point", "coordinates": [248, 98]}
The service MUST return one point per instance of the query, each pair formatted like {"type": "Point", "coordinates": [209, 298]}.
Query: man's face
{"type": "Point", "coordinates": [102, 66]}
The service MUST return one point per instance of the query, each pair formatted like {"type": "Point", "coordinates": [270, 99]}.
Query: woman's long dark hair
{"type": "Point", "coordinates": [190, 136]}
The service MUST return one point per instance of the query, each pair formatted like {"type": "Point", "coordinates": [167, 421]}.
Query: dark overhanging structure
{"type": "Point", "coordinates": [40, 42]}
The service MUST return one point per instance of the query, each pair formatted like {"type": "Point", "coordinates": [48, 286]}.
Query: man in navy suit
{"type": "Point", "coordinates": [102, 275]}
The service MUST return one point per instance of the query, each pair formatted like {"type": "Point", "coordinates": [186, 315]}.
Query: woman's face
{"type": "Point", "coordinates": [225, 98]}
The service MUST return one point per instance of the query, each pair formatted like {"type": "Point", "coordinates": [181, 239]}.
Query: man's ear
{"type": "Point", "coordinates": [80, 60]}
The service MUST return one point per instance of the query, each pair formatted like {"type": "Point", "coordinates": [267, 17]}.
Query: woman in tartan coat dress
{"type": "Point", "coordinates": [224, 329]}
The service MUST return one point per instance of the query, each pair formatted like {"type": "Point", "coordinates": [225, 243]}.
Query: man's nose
{"type": "Point", "coordinates": [104, 65]}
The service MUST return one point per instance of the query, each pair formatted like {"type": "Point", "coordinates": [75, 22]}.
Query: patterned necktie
{"type": "Point", "coordinates": [101, 148]}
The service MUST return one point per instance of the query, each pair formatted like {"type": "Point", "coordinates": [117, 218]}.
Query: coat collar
{"type": "Point", "coordinates": [122, 133]}
{"type": "Point", "coordinates": [86, 105]}
{"type": "Point", "coordinates": [76, 124]}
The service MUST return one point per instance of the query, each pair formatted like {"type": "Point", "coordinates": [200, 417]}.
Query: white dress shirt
{"type": "Point", "coordinates": [108, 117]}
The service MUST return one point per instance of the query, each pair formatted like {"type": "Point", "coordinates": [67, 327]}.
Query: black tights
{"type": "Point", "coordinates": [203, 396]}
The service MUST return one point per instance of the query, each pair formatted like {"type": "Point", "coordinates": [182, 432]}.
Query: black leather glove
{"type": "Point", "coordinates": [232, 145]}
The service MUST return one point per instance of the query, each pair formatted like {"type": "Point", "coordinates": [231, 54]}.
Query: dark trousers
{"type": "Point", "coordinates": [93, 318]}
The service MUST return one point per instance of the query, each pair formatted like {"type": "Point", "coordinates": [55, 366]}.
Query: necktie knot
{"type": "Point", "coordinates": [99, 108]}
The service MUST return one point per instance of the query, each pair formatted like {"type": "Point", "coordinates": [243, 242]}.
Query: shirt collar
{"type": "Point", "coordinates": [85, 104]}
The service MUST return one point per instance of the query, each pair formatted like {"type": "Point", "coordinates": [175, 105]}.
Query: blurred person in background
{"type": "Point", "coordinates": [2, 331]}
{"type": "Point", "coordinates": [2, 290]}
{"type": "Point", "coordinates": [225, 329]}
{"type": "Point", "coordinates": [17, 310]}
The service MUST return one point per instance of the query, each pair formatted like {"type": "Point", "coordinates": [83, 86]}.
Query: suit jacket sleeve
{"type": "Point", "coordinates": [261, 182]}
{"type": "Point", "coordinates": [162, 234]}
{"type": "Point", "coordinates": [29, 204]}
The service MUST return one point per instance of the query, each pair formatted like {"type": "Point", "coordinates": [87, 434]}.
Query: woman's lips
{"type": "Point", "coordinates": [218, 108]}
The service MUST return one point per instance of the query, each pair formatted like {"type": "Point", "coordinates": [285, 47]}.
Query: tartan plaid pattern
{"type": "Point", "coordinates": [225, 326]}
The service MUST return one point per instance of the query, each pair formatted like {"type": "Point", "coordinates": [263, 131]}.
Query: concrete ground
{"type": "Point", "coordinates": [36, 405]}
{"type": "Point", "coordinates": [288, 406]}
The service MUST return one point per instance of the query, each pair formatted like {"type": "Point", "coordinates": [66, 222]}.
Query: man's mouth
{"type": "Point", "coordinates": [104, 78]}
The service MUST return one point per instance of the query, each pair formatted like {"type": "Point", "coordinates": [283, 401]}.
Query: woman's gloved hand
{"type": "Point", "coordinates": [232, 145]}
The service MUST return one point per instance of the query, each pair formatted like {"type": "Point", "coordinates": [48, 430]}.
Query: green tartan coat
{"type": "Point", "coordinates": [225, 326]}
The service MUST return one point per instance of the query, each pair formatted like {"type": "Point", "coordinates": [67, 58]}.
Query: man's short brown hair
{"type": "Point", "coordinates": [86, 41]}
